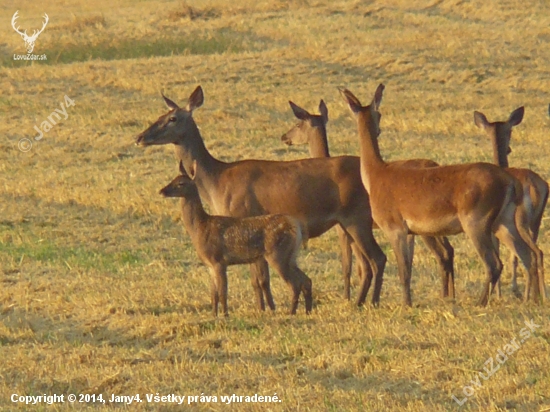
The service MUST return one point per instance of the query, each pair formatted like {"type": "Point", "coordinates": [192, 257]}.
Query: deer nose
{"type": "Point", "coordinates": [286, 140]}
{"type": "Point", "coordinates": [139, 140]}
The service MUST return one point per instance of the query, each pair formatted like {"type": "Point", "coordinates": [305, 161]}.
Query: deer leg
{"type": "Point", "coordinates": [364, 241]}
{"type": "Point", "coordinates": [306, 290]}
{"type": "Point", "coordinates": [514, 265]}
{"type": "Point", "coordinates": [364, 271]}
{"type": "Point", "coordinates": [222, 290]}
{"type": "Point", "coordinates": [539, 197]}
{"type": "Point", "coordinates": [515, 243]}
{"type": "Point", "coordinates": [303, 285]}
{"type": "Point", "coordinates": [496, 246]}
{"type": "Point", "coordinates": [484, 244]}
{"type": "Point", "coordinates": [410, 245]}
{"type": "Point", "coordinates": [298, 281]}
{"type": "Point", "coordinates": [536, 276]}
{"type": "Point", "coordinates": [444, 254]}
{"type": "Point", "coordinates": [514, 233]}
{"type": "Point", "coordinates": [400, 242]}
{"type": "Point", "coordinates": [218, 289]}
{"type": "Point", "coordinates": [261, 284]}
{"type": "Point", "coordinates": [214, 292]}
{"type": "Point", "coordinates": [254, 279]}
{"type": "Point", "coordinates": [345, 246]}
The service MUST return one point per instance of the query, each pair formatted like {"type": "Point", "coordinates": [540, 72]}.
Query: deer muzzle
{"type": "Point", "coordinates": [286, 140]}
{"type": "Point", "coordinates": [140, 140]}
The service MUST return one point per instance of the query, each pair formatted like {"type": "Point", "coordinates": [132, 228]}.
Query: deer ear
{"type": "Point", "coordinates": [300, 113]}
{"type": "Point", "coordinates": [378, 96]}
{"type": "Point", "coordinates": [323, 110]}
{"type": "Point", "coordinates": [480, 120]}
{"type": "Point", "coordinates": [516, 117]}
{"type": "Point", "coordinates": [193, 170]}
{"type": "Point", "coordinates": [171, 105]}
{"type": "Point", "coordinates": [352, 101]}
{"type": "Point", "coordinates": [196, 99]}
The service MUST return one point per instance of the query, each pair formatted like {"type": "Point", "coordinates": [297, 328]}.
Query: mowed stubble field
{"type": "Point", "coordinates": [100, 289]}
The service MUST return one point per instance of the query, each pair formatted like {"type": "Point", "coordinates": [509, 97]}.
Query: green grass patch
{"type": "Point", "coordinates": [82, 257]}
{"type": "Point", "coordinates": [221, 41]}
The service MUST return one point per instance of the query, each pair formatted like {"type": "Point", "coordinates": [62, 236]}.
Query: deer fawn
{"type": "Point", "coordinates": [318, 192]}
{"type": "Point", "coordinates": [222, 241]}
{"type": "Point", "coordinates": [479, 199]}
{"type": "Point", "coordinates": [311, 130]}
{"type": "Point", "coordinates": [535, 188]}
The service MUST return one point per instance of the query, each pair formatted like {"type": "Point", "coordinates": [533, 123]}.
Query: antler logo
{"type": "Point", "coordinates": [29, 40]}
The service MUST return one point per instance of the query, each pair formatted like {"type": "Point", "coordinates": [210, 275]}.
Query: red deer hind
{"type": "Point", "coordinates": [479, 199]}
{"type": "Point", "coordinates": [318, 192]}
{"type": "Point", "coordinates": [311, 130]}
{"type": "Point", "coordinates": [535, 188]}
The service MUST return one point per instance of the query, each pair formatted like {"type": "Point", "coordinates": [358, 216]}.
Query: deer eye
{"type": "Point", "coordinates": [172, 119]}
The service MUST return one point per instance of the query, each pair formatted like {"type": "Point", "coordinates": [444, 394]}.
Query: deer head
{"type": "Point", "coordinates": [181, 186]}
{"type": "Point", "coordinates": [169, 127]}
{"type": "Point", "coordinates": [29, 40]}
{"type": "Point", "coordinates": [310, 129]}
{"type": "Point", "coordinates": [500, 133]}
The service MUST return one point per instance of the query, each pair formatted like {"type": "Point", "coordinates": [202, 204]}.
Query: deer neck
{"type": "Point", "coordinates": [318, 146]}
{"type": "Point", "coordinates": [193, 215]}
{"type": "Point", "coordinates": [371, 161]}
{"type": "Point", "coordinates": [500, 157]}
{"type": "Point", "coordinates": [191, 148]}
{"type": "Point", "coordinates": [368, 141]}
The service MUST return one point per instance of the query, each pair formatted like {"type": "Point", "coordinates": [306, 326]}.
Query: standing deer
{"type": "Point", "coordinates": [311, 130]}
{"type": "Point", "coordinates": [535, 188]}
{"type": "Point", "coordinates": [222, 241]}
{"type": "Point", "coordinates": [318, 192]}
{"type": "Point", "coordinates": [479, 199]}
{"type": "Point", "coordinates": [29, 40]}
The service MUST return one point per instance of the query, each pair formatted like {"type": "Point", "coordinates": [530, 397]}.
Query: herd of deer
{"type": "Point", "coordinates": [264, 210]}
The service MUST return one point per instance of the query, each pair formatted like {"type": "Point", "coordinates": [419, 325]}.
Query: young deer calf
{"type": "Point", "coordinates": [222, 241]}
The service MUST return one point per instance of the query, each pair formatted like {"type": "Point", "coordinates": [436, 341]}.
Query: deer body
{"type": "Point", "coordinates": [311, 130]}
{"type": "Point", "coordinates": [535, 188]}
{"type": "Point", "coordinates": [317, 192]}
{"type": "Point", "coordinates": [478, 199]}
{"type": "Point", "coordinates": [222, 241]}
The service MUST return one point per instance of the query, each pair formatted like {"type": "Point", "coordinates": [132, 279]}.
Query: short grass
{"type": "Point", "coordinates": [100, 290]}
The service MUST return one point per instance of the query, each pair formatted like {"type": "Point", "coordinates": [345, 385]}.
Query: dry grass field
{"type": "Point", "coordinates": [100, 289]}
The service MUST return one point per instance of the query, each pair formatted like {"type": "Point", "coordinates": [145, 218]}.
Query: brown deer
{"type": "Point", "coordinates": [318, 192]}
{"type": "Point", "coordinates": [311, 130]}
{"type": "Point", "coordinates": [479, 199]}
{"type": "Point", "coordinates": [535, 188]}
{"type": "Point", "coordinates": [222, 241]}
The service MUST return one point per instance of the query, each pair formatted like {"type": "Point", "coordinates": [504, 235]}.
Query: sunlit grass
{"type": "Point", "coordinates": [100, 289]}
